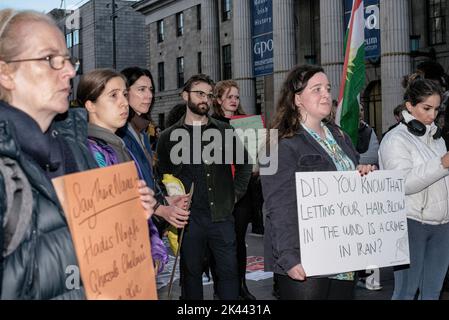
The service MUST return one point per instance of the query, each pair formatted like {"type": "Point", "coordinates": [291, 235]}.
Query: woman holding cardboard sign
{"type": "Point", "coordinates": [35, 242]}
{"type": "Point", "coordinates": [306, 143]}
{"type": "Point", "coordinates": [415, 146]}
{"type": "Point", "coordinates": [104, 94]}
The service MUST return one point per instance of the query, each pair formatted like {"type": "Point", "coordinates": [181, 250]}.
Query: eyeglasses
{"type": "Point", "coordinates": [55, 62]}
{"type": "Point", "coordinates": [202, 94]}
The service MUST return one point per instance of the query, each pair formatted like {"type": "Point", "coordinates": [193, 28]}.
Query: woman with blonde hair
{"type": "Point", "coordinates": [227, 100]}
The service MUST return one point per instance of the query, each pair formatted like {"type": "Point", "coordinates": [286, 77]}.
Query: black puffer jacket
{"type": "Point", "coordinates": [36, 268]}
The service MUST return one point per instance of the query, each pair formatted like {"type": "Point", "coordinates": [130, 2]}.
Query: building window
{"type": "Point", "coordinates": [227, 63]}
{"type": "Point", "coordinates": [76, 37]}
{"type": "Point", "coordinates": [180, 71]}
{"type": "Point", "coordinates": [179, 24]}
{"type": "Point", "coordinates": [161, 76]}
{"type": "Point", "coordinates": [198, 17]}
{"type": "Point", "coordinates": [68, 40]}
{"type": "Point", "coordinates": [436, 17]}
{"type": "Point", "coordinates": [200, 68]}
{"type": "Point", "coordinates": [160, 31]}
{"type": "Point", "coordinates": [226, 10]}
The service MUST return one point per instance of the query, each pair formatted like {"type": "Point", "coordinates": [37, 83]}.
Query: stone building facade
{"type": "Point", "coordinates": [180, 38]}
{"type": "Point", "coordinates": [89, 35]}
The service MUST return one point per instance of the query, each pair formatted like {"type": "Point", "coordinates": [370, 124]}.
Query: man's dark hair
{"type": "Point", "coordinates": [196, 79]}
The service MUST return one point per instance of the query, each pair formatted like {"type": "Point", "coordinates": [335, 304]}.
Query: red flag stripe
{"type": "Point", "coordinates": [355, 6]}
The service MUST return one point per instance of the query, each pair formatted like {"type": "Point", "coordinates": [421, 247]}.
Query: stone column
{"type": "Point", "coordinates": [242, 50]}
{"type": "Point", "coordinates": [395, 46]}
{"type": "Point", "coordinates": [284, 42]}
{"type": "Point", "coordinates": [332, 42]}
{"type": "Point", "coordinates": [210, 39]}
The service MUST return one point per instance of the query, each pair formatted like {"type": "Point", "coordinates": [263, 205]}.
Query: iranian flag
{"type": "Point", "coordinates": [353, 78]}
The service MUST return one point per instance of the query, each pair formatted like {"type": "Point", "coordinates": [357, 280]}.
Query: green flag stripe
{"type": "Point", "coordinates": [355, 81]}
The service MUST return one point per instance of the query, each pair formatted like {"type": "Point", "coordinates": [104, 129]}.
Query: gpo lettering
{"type": "Point", "coordinates": [261, 47]}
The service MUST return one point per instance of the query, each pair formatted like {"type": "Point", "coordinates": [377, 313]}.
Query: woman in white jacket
{"type": "Point", "coordinates": [415, 146]}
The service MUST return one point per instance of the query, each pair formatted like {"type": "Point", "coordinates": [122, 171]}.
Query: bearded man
{"type": "Point", "coordinates": [197, 151]}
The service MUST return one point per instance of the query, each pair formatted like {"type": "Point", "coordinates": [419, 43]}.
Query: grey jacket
{"type": "Point", "coordinates": [111, 139]}
{"type": "Point", "coordinates": [300, 153]}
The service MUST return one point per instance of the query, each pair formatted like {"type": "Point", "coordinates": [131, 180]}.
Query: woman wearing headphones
{"type": "Point", "coordinates": [415, 146]}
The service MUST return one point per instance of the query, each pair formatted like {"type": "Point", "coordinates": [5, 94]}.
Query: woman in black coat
{"type": "Point", "coordinates": [306, 142]}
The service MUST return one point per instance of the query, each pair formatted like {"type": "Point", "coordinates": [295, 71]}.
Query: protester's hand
{"type": "Point", "coordinates": [174, 215]}
{"type": "Point", "coordinates": [181, 202]}
{"type": "Point", "coordinates": [364, 169]}
{"type": "Point", "coordinates": [445, 161]}
{"type": "Point", "coordinates": [297, 273]}
{"type": "Point", "coordinates": [147, 198]}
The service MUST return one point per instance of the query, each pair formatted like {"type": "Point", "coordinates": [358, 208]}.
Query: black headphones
{"type": "Point", "coordinates": [417, 128]}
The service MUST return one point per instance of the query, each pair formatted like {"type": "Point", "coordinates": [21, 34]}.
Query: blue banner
{"type": "Point", "coordinates": [262, 36]}
{"type": "Point", "coordinates": [262, 13]}
{"type": "Point", "coordinates": [372, 26]}
{"type": "Point", "coordinates": [263, 54]}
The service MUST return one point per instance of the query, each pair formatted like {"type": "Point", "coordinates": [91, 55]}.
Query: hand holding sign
{"type": "Point", "coordinates": [176, 213]}
{"type": "Point", "coordinates": [297, 273]}
{"type": "Point", "coordinates": [180, 243]}
{"type": "Point", "coordinates": [147, 198]}
{"type": "Point", "coordinates": [181, 201]}
{"type": "Point", "coordinates": [364, 169]}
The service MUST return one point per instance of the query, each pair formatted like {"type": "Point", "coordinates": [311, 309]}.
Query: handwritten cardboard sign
{"type": "Point", "coordinates": [109, 232]}
{"type": "Point", "coordinates": [251, 132]}
{"type": "Point", "coordinates": [348, 222]}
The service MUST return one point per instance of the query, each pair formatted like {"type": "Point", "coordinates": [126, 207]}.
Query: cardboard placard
{"type": "Point", "coordinates": [348, 222]}
{"type": "Point", "coordinates": [109, 232]}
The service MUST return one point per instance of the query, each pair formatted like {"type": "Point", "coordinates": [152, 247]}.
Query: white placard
{"type": "Point", "coordinates": [348, 222]}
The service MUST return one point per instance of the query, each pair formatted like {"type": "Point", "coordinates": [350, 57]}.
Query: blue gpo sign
{"type": "Point", "coordinates": [263, 54]}
{"type": "Point", "coordinates": [262, 36]}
